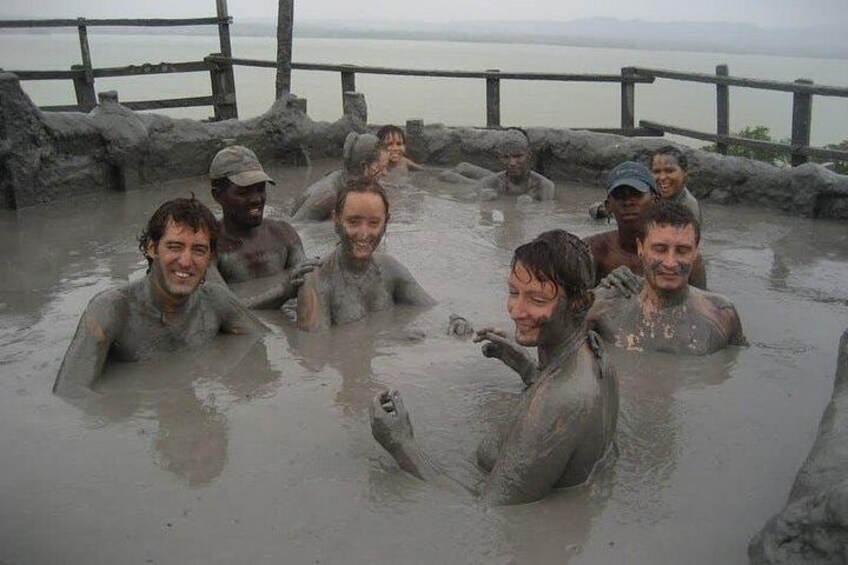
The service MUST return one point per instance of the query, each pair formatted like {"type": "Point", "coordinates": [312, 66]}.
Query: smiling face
{"type": "Point", "coordinates": [242, 205]}
{"type": "Point", "coordinates": [669, 176]}
{"type": "Point", "coordinates": [179, 261]}
{"type": "Point", "coordinates": [361, 224]}
{"type": "Point", "coordinates": [531, 304]}
{"type": "Point", "coordinates": [395, 147]}
{"type": "Point", "coordinates": [668, 253]}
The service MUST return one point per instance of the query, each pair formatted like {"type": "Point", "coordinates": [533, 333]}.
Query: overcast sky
{"type": "Point", "coordinates": [762, 12]}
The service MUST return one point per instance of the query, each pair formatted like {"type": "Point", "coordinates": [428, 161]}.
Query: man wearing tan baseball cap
{"type": "Point", "coordinates": [261, 260]}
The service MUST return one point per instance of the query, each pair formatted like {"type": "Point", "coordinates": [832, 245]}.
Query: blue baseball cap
{"type": "Point", "coordinates": [632, 174]}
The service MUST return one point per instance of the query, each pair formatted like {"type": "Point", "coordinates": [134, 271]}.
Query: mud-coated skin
{"type": "Point", "coordinates": [531, 184]}
{"type": "Point", "coordinates": [339, 292]}
{"type": "Point", "coordinates": [612, 250]}
{"type": "Point", "coordinates": [126, 324]}
{"type": "Point", "coordinates": [261, 267]}
{"type": "Point", "coordinates": [695, 322]}
{"type": "Point", "coordinates": [319, 198]}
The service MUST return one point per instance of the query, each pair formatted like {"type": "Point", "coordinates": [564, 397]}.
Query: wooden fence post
{"type": "Point", "coordinates": [722, 108]}
{"type": "Point", "coordinates": [348, 84]}
{"type": "Point", "coordinates": [493, 98]}
{"type": "Point", "coordinates": [84, 83]}
{"type": "Point", "coordinates": [223, 99]}
{"type": "Point", "coordinates": [227, 107]}
{"type": "Point", "coordinates": [285, 23]}
{"type": "Point", "coordinates": [628, 100]}
{"type": "Point", "coordinates": [802, 115]}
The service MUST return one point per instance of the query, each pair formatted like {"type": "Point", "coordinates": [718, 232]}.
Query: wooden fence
{"type": "Point", "coordinates": [223, 98]}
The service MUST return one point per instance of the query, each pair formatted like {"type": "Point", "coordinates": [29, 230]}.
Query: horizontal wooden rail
{"type": "Point", "coordinates": [142, 104]}
{"type": "Point", "coordinates": [47, 75]}
{"type": "Point", "coordinates": [151, 22]}
{"type": "Point", "coordinates": [746, 82]}
{"type": "Point", "coordinates": [816, 152]}
{"type": "Point", "coordinates": [564, 77]}
{"type": "Point", "coordinates": [151, 69]}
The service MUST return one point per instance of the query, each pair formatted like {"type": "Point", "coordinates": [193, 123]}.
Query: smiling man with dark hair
{"type": "Point", "coordinates": [668, 314]}
{"type": "Point", "coordinates": [168, 309]}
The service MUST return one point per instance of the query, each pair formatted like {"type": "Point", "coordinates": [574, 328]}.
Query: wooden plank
{"type": "Point", "coordinates": [170, 103]}
{"type": "Point", "coordinates": [802, 116]}
{"type": "Point", "coordinates": [818, 152]}
{"type": "Point", "coordinates": [628, 99]}
{"type": "Point", "coordinates": [493, 98]}
{"type": "Point", "coordinates": [722, 108]}
{"type": "Point", "coordinates": [635, 132]}
{"type": "Point", "coordinates": [45, 75]}
{"type": "Point", "coordinates": [560, 77]}
{"type": "Point", "coordinates": [67, 108]}
{"type": "Point", "coordinates": [746, 82]}
{"type": "Point", "coordinates": [285, 32]}
{"type": "Point", "coordinates": [149, 22]}
{"type": "Point", "coordinates": [152, 69]}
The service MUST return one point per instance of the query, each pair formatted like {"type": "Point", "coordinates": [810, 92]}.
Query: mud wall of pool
{"type": "Point", "coordinates": [813, 527]}
{"type": "Point", "coordinates": [50, 156]}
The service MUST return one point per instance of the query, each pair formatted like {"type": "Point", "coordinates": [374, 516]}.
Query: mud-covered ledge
{"type": "Point", "coordinates": [51, 156]}
{"type": "Point", "coordinates": [813, 527]}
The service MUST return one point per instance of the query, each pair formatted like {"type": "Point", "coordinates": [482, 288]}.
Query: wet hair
{"type": "Point", "coordinates": [188, 212]}
{"type": "Point", "coordinates": [673, 152]}
{"type": "Point", "coordinates": [219, 186]}
{"type": "Point", "coordinates": [358, 153]}
{"type": "Point", "coordinates": [385, 132]}
{"type": "Point", "coordinates": [668, 213]}
{"type": "Point", "coordinates": [561, 258]}
{"type": "Point", "coordinates": [360, 186]}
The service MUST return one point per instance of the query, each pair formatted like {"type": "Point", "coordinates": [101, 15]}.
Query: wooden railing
{"type": "Point", "coordinates": [223, 98]}
{"type": "Point", "coordinates": [803, 91]}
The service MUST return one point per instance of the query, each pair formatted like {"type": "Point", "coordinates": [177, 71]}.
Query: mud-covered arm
{"type": "Point", "coordinates": [318, 205]}
{"type": "Point", "coordinates": [698, 277]}
{"type": "Point", "coordinates": [490, 188]}
{"type": "Point", "coordinates": [737, 336]}
{"type": "Point", "coordinates": [313, 305]}
{"type": "Point", "coordinates": [235, 318]}
{"type": "Point", "coordinates": [543, 189]}
{"type": "Point", "coordinates": [499, 346]}
{"type": "Point", "coordinates": [537, 449]}
{"type": "Point", "coordinates": [406, 289]}
{"type": "Point", "coordinates": [89, 348]}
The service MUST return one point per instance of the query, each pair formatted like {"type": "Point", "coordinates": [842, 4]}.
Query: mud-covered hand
{"type": "Point", "coordinates": [297, 275]}
{"type": "Point", "coordinates": [390, 423]}
{"type": "Point", "coordinates": [623, 280]}
{"type": "Point", "coordinates": [459, 326]}
{"type": "Point", "coordinates": [514, 356]}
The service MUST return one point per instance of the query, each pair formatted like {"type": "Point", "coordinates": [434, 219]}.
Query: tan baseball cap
{"type": "Point", "coordinates": [240, 165]}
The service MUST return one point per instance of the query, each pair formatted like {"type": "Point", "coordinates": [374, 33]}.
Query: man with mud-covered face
{"type": "Point", "coordinates": [355, 280]}
{"type": "Point", "coordinates": [668, 314]}
{"type": "Point", "coordinates": [564, 424]}
{"type": "Point", "coordinates": [260, 259]}
{"type": "Point", "coordinates": [167, 310]}
{"type": "Point", "coordinates": [630, 193]}
{"type": "Point", "coordinates": [516, 178]}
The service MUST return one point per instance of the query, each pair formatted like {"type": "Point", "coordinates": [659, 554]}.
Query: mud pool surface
{"type": "Point", "coordinates": [260, 452]}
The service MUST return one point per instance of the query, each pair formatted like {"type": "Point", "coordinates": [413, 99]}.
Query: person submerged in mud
{"type": "Point", "coordinates": [168, 309]}
{"type": "Point", "coordinates": [399, 166]}
{"type": "Point", "coordinates": [261, 260]}
{"type": "Point", "coordinates": [670, 169]}
{"type": "Point", "coordinates": [630, 193]}
{"type": "Point", "coordinates": [364, 158]}
{"type": "Point", "coordinates": [515, 179]}
{"type": "Point", "coordinates": [354, 279]}
{"type": "Point", "coordinates": [565, 422]}
{"type": "Point", "coordinates": [668, 314]}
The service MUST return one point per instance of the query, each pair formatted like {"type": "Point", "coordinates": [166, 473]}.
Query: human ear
{"type": "Point", "coordinates": [639, 247]}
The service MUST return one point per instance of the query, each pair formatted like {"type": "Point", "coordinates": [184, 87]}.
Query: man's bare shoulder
{"type": "Point", "coordinates": [603, 240]}
{"type": "Point", "coordinates": [281, 230]}
{"type": "Point", "coordinates": [713, 301]}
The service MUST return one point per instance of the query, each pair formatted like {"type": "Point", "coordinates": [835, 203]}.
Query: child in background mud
{"type": "Point", "coordinates": [393, 140]}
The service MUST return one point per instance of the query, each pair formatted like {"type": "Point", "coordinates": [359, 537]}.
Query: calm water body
{"type": "Point", "coordinates": [451, 101]}
{"type": "Point", "coordinates": [262, 453]}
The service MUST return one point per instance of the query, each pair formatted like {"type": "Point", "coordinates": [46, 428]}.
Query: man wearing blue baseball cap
{"type": "Point", "coordinates": [630, 191]}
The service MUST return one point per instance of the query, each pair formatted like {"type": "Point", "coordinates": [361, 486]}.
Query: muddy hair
{"type": "Point", "coordinates": [668, 213]}
{"type": "Point", "coordinates": [361, 186]}
{"type": "Point", "coordinates": [561, 258]}
{"type": "Point", "coordinates": [188, 212]}
{"type": "Point", "coordinates": [384, 132]}
{"type": "Point", "coordinates": [673, 152]}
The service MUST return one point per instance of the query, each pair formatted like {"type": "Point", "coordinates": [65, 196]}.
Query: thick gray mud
{"type": "Point", "coordinates": [261, 452]}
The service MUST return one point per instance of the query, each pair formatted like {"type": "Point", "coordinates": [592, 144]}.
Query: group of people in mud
{"type": "Point", "coordinates": [641, 286]}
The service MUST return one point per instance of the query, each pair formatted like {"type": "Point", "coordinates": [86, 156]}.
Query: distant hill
{"type": "Point", "coordinates": [824, 41]}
